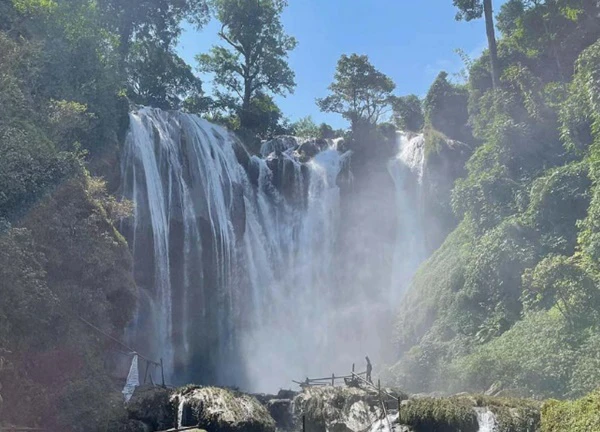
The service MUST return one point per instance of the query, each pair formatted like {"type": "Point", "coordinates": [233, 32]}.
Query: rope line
{"type": "Point", "coordinates": [131, 350]}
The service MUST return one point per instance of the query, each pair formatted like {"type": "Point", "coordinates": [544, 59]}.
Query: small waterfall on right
{"type": "Point", "coordinates": [486, 420]}
{"type": "Point", "coordinates": [407, 170]}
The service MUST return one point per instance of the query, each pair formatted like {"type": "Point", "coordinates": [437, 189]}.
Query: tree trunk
{"type": "Point", "coordinates": [491, 36]}
{"type": "Point", "coordinates": [245, 114]}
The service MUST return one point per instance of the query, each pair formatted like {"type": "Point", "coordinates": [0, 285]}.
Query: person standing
{"type": "Point", "coordinates": [369, 370]}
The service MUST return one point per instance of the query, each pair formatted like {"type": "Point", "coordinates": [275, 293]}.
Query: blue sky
{"type": "Point", "coordinates": [409, 40]}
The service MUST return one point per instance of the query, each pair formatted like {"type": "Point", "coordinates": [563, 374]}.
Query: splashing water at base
{"type": "Point", "coordinates": [486, 420]}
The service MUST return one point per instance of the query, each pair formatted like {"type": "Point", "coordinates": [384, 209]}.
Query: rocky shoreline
{"type": "Point", "coordinates": [325, 409]}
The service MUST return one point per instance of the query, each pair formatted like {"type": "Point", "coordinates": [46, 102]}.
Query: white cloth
{"type": "Point", "coordinates": [133, 379]}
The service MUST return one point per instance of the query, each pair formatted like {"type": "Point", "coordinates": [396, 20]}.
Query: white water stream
{"type": "Point", "coordinates": [236, 276]}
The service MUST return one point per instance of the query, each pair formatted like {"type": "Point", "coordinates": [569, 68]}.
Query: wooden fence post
{"type": "Point", "coordinates": [162, 371]}
{"type": "Point", "coordinates": [303, 422]}
{"type": "Point", "coordinates": [332, 380]}
{"type": "Point", "coordinates": [146, 373]}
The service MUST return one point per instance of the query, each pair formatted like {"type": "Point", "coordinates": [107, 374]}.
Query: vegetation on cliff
{"type": "Point", "coordinates": [511, 299]}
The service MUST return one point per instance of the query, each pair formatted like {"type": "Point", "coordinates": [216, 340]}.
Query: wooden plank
{"type": "Point", "coordinates": [184, 429]}
{"type": "Point", "coordinates": [19, 428]}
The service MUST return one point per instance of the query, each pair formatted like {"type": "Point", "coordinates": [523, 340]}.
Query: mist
{"type": "Point", "coordinates": [285, 268]}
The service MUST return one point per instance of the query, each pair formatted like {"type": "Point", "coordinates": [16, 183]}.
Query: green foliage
{"type": "Point", "coordinates": [158, 77]}
{"type": "Point", "coordinates": [434, 286]}
{"type": "Point", "coordinates": [80, 406]}
{"type": "Point", "coordinates": [305, 128]}
{"type": "Point", "coordinates": [468, 9]}
{"type": "Point", "coordinates": [562, 282]}
{"type": "Point", "coordinates": [27, 306]}
{"type": "Point", "coordinates": [152, 19]}
{"type": "Point", "coordinates": [558, 200]}
{"type": "Point", "coordinates": [534, 358]}
{"type": "Point", "coordinates": [586, 373]}
{"type": "Point", "coordinates": [254, 58]}
{"type": "Point", "coordinates": [488, 194]}
{"type": "Point", "coordinates": [551, 34]}
{"type": "Point", "coordinates": [265, 117]}
{"type": "Point", "coordinates": [408, 113]}
{"type": "Point", "coordinates": [434, 141]}
{"type": "Point", "coordinates": [582, 415]}
{"type": "Point", "coordinates": [446, 108]}
{"type": "Point", "coordinates": [360, 93]}
{"type": "Point", "coordinates": [65, 261]}
{"type": "Point", "coordinates": [580, 112]}
{"type": "Point", "coordinates": [492, 285]}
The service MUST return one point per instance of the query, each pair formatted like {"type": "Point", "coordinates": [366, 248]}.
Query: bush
{"type": "Point", "coordinates": [535, 358]}
{"type": "Point", "coordinates": [582, 415]}
{"type": "Point", "coordinates": [446, 108]}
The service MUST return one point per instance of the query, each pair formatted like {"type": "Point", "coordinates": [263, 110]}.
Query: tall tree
{"type": "Point", "coordinates": [254, 58]}
{"type": "Point", "coordinates": [408, 113]}
{"type": "Point", "coordinates": [475, 9]}
{"type": "Point", "coordinates": [359, 92]}
{"type": "Point", "coordinates": [155, 19]}
{"type": "Point", "coordinates": [157, 76]}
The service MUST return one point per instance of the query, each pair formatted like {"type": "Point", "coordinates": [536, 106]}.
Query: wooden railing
{"type": "Point", "coordinates": [354, 378]}
{"type": "Point", "coordinates": [308, 382]}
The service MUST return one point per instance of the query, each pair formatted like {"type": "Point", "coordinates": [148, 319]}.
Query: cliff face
{"type": "Point", "coordinates": [63, 261]}
{"type": "Point", "coordinates": [443, 166]}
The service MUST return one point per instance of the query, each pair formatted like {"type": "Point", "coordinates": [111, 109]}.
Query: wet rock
{"type": "Point", "coordinates": [278, 144]}
{"type": "Point", "coordinates": [136, 426]}
{"type": "Point", "coordinates": [223, 410]}
{"type": "Point", "coordinates": [341, 409]}
{"type": "Point", "coordinates": [311, 148]}
{"type": "Point", "coordinates": [281, 411]}
{"type": "Point", "coordinates": [287, 394]}
{"type": "Point", "coordinates": [151, 405]}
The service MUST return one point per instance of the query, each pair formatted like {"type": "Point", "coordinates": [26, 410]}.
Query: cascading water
{"type": "Point", "coordinates": [188, 189]}
{"type": "Point", "coordinates": [407, 169]}
{"type": "Point", "coordinates": [486, 420]}
{"type": "Point", "coordinates": [237, 256]}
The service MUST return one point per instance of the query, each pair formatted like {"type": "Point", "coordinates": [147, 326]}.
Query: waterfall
{"type": "Point", "coordinates": [187, 185]}
{"type": "Point", "coordinates": [237, 256]}
{"type": "Point", "coordinates": [407, 170]}
{"type": "Point", "coordinates": [486, 420]}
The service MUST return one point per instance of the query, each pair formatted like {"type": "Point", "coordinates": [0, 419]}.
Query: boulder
{"type": "Point", "coordinates": [309, 149]}
{"type": "Point", "coordinates": [278, 145]}
{"type": "Point", "coordinates": [342, 409]}
{"type": "Point", "coordinates": [152, 406]}
{"type": "Point", "coordinates": [223, 410]}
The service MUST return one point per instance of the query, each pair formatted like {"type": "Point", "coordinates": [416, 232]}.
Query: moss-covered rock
{"type": "Point", "coordinates": [337, 408]}
{"type": "Point", "coordinates": [441, 415]}
{"type": "Point", "coordinates": [512, 414]}
{"type": "Point", "coordinates": [223, 410]}
{"type": "Point", "coordinates": [464, 413]}
{"type": "Point", "coordinates": [152, 406]}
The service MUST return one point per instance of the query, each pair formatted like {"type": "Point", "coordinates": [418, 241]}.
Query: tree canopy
{"type": "Point", "coordinates": [473, 9]}
{"type": "Point", "coordinates": [360, 93]}
{"type": "Point", "coordinates": [408, 113]}
{"type": "Point", "coordinates": [253, 59]}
